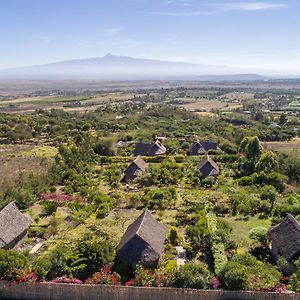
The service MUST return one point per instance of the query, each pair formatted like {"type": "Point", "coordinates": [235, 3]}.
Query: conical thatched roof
{"type": "Point", "coordinates": [286, 237]}
{"type": "Point", "coordinates": [208, 167]}
{"type": "Point", "coordinates": [140, 163]}
{"type": "Point", "coordinates": [144, 235]}
{"type": "Point", "coordinates": [149, 149]}
{"type": "Point", "coordinates": [12, 224]}
{"type": "Point", "coordinates": [200, 147]}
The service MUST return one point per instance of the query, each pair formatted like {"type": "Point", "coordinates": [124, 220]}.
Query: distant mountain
{"type": "Point", "coordinates": [111, 67]}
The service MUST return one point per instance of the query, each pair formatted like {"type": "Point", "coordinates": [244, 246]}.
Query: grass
{"type": "Point", "coordinates": [241, 228]}
{"type": "Point", "coordinates": [22, 159]}
{"type": "Point", "coordinates": [290, 147]}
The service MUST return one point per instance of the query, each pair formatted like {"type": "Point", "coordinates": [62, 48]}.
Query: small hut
{"type": "Point", "coordinates": [208, 167]}
{"type": "Point", "coordinates": [13, 226]}
{"type": "Point", "coordinates": [143, 242]}
{"type": "Point", "coordinates": [149, 149]}
{"type": "Point", "coordinates": [137, 167]}
{"type": "Point", "coordinates": [200, 148]}
{"type": "Point", "coordinates": [285, 240]}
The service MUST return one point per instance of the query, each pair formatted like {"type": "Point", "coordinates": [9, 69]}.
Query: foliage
{"type": "Point", "coordinates": [174, 236]}
{"type": "Point", "coordinates": [10, 262]}
{"type": "Point", "coordinates": [160, 199]}
{"type": "Point", "coordinates": [195, 276]}
{"type": "Point", "coordinates": [96, 252]}
{"type": "Point", "coordinates": [105, 276]}
{"type": "Point", "coordinates": [245, 272]}
{"type": "Point", "coordinates": [148, 278]}
{"type": "Point", "coordinates": [294, 282]}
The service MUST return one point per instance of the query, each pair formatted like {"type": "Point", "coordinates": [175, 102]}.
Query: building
{"type": "Point", "coordinates": [137, 167]}
{"type": "Point", "coordinates": [285, 241]}
{"type": "Point", "coordinates": [200, 148]}
{"type": "Point", "coordinates": [208, 167]}
{"type": "Point", "coordinates": [143, 242]}
{"type": "Point", "coordinates": [149, 149]}
{"type": "Point", "coordinates": [13, 226]}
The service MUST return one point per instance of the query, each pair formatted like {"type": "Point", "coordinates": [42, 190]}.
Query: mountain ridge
{"type": "Point", "coordinates": [112, 67]}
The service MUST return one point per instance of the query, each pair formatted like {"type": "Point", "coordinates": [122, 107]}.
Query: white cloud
{"type": "Point", "coordinates": [180, 13]}
{"type": "Point", "coordinates": [251, 6]}
{"type": "Point", "coordinates": [219, 8]}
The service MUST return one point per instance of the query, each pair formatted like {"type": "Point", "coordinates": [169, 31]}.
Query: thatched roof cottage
{"type": "Point", "coordinates": [285, 239]}
{"type": "Point", "coordinates": [143, 242]}
{"type": "Point", "coordinates": [13, 226]}
{"type": "Point", "coordinates": [208, 167]}
{"type": "Point", "coordinates": [200, 148]}
{"type": "Point", "coordinates": [137, 167]}
{"type": "Point", "coordinates": [149, 149]}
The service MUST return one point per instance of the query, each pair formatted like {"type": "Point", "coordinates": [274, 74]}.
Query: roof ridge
{"type": "Point", "coordinates": [143, 215]}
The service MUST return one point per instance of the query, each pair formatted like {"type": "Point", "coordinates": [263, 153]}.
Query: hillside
{"type": "Point", "coordinates": [112, 67]}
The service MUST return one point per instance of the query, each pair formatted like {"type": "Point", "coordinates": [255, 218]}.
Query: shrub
{"type": "Point", "coordinates": [195, 276]}
{"type": "Point", "coordinates": [49, 207]}
{"type": "Point", "coordinates": [174, 236]}
{"type": "Point", "coordinates": [105, 276]}
{"type": "Point", "coordinates": [65, 279]}
{"type": "Point", "coordinates": [245, 272]}
{"type": "Point", "coordinates": [148, 278]}
{"type": "Point", "coordinates": [10, 261]}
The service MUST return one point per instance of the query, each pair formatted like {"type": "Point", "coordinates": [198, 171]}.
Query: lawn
{"type": "Point", "coordinates": [241, 227]}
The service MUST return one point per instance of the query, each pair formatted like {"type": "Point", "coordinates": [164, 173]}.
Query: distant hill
{"type": "Point", "coordinates": [111, 67]}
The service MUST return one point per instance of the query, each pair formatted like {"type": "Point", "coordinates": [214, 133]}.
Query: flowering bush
{"type": "Point", "coordinates": [105, 276]}
{"type": "Point", "coordinates": [62, 197]}
{"type": "Point", "coordinates": [21, 276]}
{"type": "Point", "coordinates": [65, 279]}
{"type": "Point", "coordinates": [130, 283]}
{"type": "Point", "coordinates": [215, 283]}
{"type": "Point", "coordinates": [148, 278]}
{"type": "Point", "coordinates": [279, 288]}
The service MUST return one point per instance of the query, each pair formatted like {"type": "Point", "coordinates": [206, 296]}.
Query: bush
{"type": "Point", "coordinates": [245, 272]}
{"type": "Point", "coordinates": [11, 261]}
{"type": "Point", "coordinates": [148, 278]}
{"type": "Point", "coordinates": [174, 236]}
{"type": "Point", "coordinates": [49, 207]}
{"type": "Point", "coordinates": [105, 276]}
{"type": "Point", "coordinates": [195, 276]}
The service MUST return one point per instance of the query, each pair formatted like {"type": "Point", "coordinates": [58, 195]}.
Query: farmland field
{"type": "Point", "coordinates": [290, 147]}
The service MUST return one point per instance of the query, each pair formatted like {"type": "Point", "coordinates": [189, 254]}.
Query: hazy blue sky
{"type": "Point", "coordinates": [250, 34]}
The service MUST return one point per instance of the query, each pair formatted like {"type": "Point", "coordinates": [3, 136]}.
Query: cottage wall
{"type": "Point", "coordinates": [16, 241]}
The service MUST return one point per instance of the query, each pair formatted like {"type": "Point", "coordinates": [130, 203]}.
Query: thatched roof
{"type": "Point", "coordinates": [12, 224]}
{"type": "Point", "coordinates": [147, 229]}
{"type": "Point", "coordinates": [149, 149]}
{"type": "Point", "coordinates": [136, 167]}
{"type": "Point", "coordinates": [286, 237]}
{"type": "Point", "coordinates": [140, 163]}
{"type": "Point", "coordinates": [157, 148]}
{"type": "Point", "coordinates": [201, 147]}
{"type": "Point", "coordinates": [208, 167]}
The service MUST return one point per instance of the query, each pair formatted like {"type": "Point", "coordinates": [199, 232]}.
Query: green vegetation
{"type": "Point", "coordinates": [72, 187]}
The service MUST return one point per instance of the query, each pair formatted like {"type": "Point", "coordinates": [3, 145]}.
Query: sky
{"type": "Point", "coordinates": [252, 35]}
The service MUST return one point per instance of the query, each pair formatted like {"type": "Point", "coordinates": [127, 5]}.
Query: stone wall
{"type": "Point", "coordinates": [52, 291]}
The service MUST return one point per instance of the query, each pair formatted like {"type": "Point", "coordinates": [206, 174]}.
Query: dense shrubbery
{"type": "Point", "coordinates": [245, 272]}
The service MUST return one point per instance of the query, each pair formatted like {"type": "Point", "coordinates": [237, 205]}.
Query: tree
{"type": "Point", "coordinates": [174, 236]}
{"type": "Point", "coordinates": [267, 163]}
{"type": "Point", "coordinates": [96, 253]}
{"type": "Point", "coordinates": [282, 119]}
